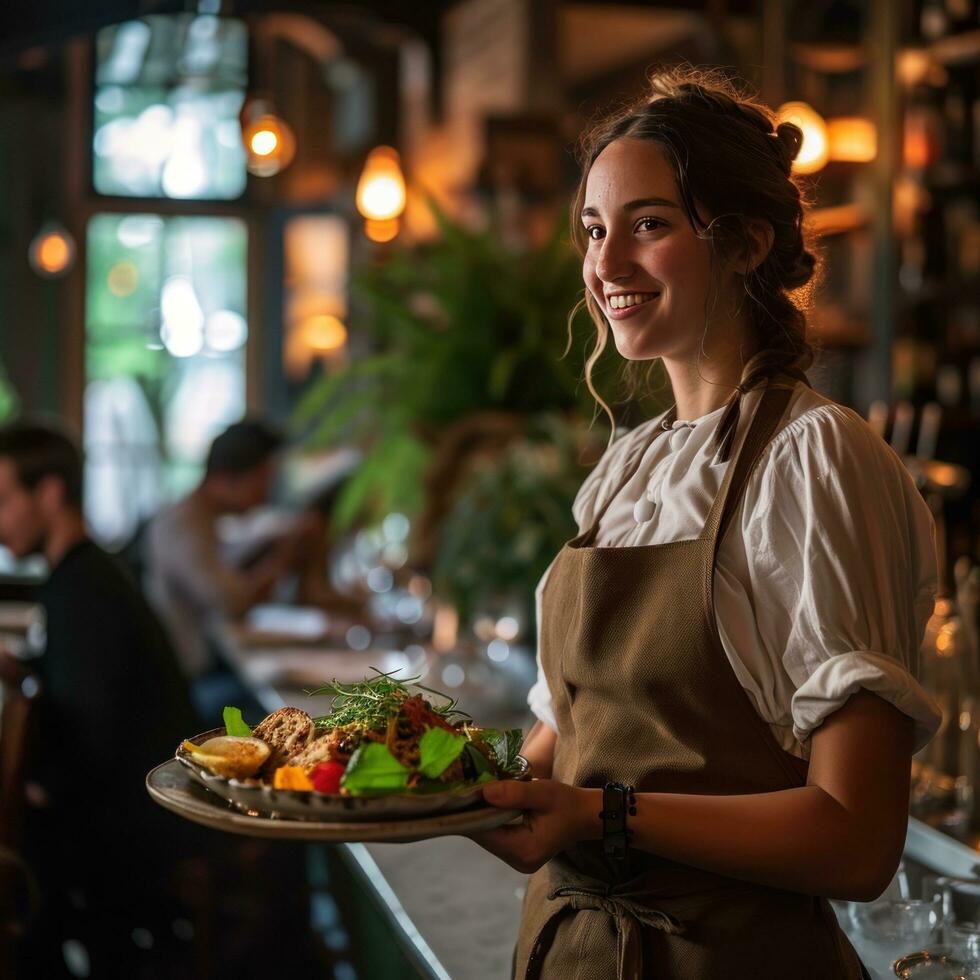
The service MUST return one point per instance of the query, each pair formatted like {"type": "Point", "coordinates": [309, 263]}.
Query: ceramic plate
{"type": "Point", "coordinates": [259, 798]}
{"type": "Point", "coordinates": [173, 787]}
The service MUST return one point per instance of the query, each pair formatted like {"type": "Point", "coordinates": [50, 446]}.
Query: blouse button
{"type": "Point", "coordinates": [643, 509]}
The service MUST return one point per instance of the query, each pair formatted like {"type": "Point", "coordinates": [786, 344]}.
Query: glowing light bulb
{"type": "Point", "coordinates": [381, 188]}
{"type": "Point", "coordinates": [269, 141]}
{"type": "Point", "coordinates": [264, 142]}
{"type": "Point", "coordinates": [324, 333]}
{"type": "Point", "coordinates": [814, 152]}
{"type": "Point", "coordinates": [52, 252]}
{"type": "Point", "coordinates": [381, 231]}
{"type": "Point", "coordinates": [852, 139]}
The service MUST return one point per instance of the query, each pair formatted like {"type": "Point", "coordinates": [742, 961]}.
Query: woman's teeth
{"type": "Point", "coordinates": [632, 299]}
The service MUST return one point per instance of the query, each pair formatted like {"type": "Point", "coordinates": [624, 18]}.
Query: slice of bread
{"type": "Point", "coordinates": [287, 732]}
{"type": "Point", "coordinates": [319, 750]}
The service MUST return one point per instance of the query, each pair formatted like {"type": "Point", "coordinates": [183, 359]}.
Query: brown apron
{"type": "Point", "coordinates": [644, 694]}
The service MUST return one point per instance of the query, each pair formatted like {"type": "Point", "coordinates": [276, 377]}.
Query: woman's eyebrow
{"type": "Point", "coordinates": [642, 202]}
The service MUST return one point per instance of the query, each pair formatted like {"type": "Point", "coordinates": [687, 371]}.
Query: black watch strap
{"type": "Point", "coordinates": [618, 801]}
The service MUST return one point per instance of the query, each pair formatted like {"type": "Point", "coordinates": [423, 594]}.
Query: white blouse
{"type": "Point", "coordinates": [827, 574]}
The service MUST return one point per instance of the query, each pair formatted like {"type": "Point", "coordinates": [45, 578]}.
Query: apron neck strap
{"type": "Point", "coordinates": [773, 403]}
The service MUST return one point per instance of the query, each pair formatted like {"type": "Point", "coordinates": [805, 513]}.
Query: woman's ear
{"type": "Point", "coordinates": [759, 237]}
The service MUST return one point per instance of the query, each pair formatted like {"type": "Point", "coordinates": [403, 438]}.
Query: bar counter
{"type": "Point", "coordinates": [450, 907]}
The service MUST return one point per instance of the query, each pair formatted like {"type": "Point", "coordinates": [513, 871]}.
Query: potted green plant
{"type": "Point", "coordinates": [472, 375]}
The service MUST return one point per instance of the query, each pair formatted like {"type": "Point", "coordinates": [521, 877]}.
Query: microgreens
{"type": "Point", "coordinates": [372, 702]}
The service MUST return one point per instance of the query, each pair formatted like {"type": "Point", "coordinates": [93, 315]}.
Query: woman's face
{"type": "Point", "coordinates": [642, 247]}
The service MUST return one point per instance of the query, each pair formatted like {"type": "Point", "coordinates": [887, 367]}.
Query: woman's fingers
{"type": "Point", "coordinates": [521, 795]}
{"type": "Point", "coordinates": [513, 843]}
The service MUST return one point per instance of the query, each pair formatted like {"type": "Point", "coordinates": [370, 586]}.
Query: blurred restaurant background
{"type": "Point", "coordinates": [348, 222]}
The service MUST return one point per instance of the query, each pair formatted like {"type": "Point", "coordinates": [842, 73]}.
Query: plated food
{"type": "Point", "coordinates": [387, 748]}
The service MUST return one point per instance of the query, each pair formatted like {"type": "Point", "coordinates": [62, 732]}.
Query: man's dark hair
{"type": "Point", "coordinates": [242, 447]}
{"type": "Point", "coordinates": [38, 450]}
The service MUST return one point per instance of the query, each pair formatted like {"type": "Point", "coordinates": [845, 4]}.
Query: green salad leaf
{"type": "Point", "coordinates": [480, 762]}
{"type": "Point", "coordinates": [438, 750]}
{"type": "Point", "coordinates": [373, 769]}
{"type": "Point", "coordinates": [506, 747]}
{"type": "Point", "coordinates": [234, 723]}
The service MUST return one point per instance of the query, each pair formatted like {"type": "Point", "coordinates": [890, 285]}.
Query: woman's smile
{"type": "Point", "coordinates": [644, 262]}
{"type": "Point", "coordinates": [619, 306]}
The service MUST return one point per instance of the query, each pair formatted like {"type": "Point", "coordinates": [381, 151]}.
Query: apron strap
{"type": "Point", "coordinates": [773, 403]}
{"type": "Point", "coordinates": [775, 398]}
{"type": "Point", "coordinates": [629, 917]}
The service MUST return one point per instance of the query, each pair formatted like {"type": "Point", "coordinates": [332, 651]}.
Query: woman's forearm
{"type": "Point", "coordinates": [539, 749]}
{"type": "Point", "coordinates": [799, 839]}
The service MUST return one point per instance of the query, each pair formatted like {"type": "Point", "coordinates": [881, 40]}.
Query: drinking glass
{"type": "Point", "coordinates": [884, 930]}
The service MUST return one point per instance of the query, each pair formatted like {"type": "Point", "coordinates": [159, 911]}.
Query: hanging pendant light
{"type": "Point", "coordinates": [814, 152]}
{"type": "Point", "coordinates": [269, 141]}
{"type": "Point", "coordinates": [380, 194]}
{"type": "Point", "coordinates": [52, 251]}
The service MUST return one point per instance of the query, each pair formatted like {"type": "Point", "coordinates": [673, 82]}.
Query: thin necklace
{"type": "Point", "coordinates": [667, 422]}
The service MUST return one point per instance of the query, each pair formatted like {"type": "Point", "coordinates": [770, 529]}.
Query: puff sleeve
{"type": "Point", "coordinates": [840, 564]}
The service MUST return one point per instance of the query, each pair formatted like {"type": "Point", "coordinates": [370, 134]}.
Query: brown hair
{"type": "Point", "coordinates": [728, 153]}
{"type": "Point", "coordinates": [38, 450]}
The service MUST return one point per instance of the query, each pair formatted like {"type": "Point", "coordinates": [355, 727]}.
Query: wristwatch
{"type": "Point", "coordinates": [618, 800]}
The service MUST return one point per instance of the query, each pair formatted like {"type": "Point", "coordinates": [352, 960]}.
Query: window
{"type": "Point", "coordinates": [165, 357]}
{"type": "Point", "coordinates": [168, 91]}
{"type": "Point", "coordinates": [165, 310]}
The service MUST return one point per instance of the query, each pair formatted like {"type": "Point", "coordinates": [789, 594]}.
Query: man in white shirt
{"type": "Point", "coordinates": [188, 577]}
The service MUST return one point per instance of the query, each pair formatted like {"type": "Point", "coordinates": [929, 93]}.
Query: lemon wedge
{"type": "Point", "coordinates": [230, 756]}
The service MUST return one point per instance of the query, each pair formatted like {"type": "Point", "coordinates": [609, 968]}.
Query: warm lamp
{"type": "Point", "coordinates": [319, 336]}
{"type": "Point", "coordinates": [52, 252]}
{"type": "Point", "coordinates": [381, 231]}
{"type": "Point", "coordinates": [814, 152]}
{"type": "Point", "coordinates": [852, 139]}
{"type": "Point", "coordinates": [269, 141]}
{"type": "Point", "coordinates": [381, 188]}
{"type": "Point", "coordinates": [323, 333]}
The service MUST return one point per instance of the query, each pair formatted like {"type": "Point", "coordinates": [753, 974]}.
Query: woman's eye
{"type": "Point", "coordinates": [592, 228]}
{"type": "Point", "coordinates": [654, 222]}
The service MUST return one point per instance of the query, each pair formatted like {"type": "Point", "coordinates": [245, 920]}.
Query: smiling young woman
{"type": "Point", "coordinates": [734, 632]}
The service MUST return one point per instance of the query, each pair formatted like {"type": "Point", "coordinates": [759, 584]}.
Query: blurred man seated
{"type": "Point", "coordinates": [189, 575]}
{"type": "Point", "coordinates": [113, 705]}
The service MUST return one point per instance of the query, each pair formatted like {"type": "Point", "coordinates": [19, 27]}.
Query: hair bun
{"type": "Point", "coordinates": [800, 270]}
{"type": "Point", "coordinates": [790, 138]}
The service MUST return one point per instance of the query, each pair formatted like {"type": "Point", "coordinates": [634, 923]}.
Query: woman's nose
{"type": "Point", "coordinates": [614, 261]}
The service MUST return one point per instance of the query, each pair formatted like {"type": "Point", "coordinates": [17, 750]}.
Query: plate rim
{"type": "Point", "coordinates": [213, 811]}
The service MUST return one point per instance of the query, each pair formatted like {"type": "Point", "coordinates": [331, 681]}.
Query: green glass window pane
{"type": "Point", "coordinates": [168, 90]}
{"type": "Point", "coordinates": [165, 343]}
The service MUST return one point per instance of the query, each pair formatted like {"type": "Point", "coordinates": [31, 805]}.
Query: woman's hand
{"type": "Point", "coordinates": [556, 816]}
